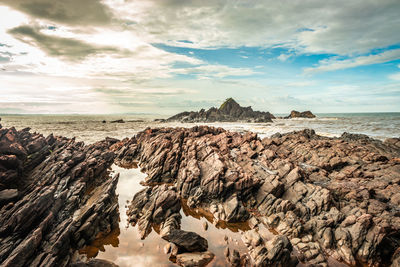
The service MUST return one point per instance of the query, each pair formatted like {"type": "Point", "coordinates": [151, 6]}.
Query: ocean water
{"type": "Point", "coordinates": [89, 128]}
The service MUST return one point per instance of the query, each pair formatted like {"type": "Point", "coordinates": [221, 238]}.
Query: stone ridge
{"type": "Point", "coordinates": [61, 197]}
{"type": "Point", "coordinates": [323, 197]}
{"type": "Point", "coordinates": [229, 111]}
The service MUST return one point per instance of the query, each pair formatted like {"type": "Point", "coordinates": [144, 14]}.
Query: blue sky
{"type": "Point", "coordinates": [168, 56]}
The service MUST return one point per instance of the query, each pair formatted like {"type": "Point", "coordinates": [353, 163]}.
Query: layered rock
{"type": "Point", "coordinates": [57, 195]}
{"type": "Point", "coordinates": [296, 114]}
{"type": "Point", "coordinates": [229, 111]}
{"type": "Point", "coordinates": [323, 197]}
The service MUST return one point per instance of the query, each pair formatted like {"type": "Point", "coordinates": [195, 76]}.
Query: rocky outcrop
{"type": "Point", "coordinates": [186, 241]}
{"type": "Point", "coordinates": [275, 252]}
{"type": "Point", "coordinates": [229, 111]}
{"type": "Point", "coordinates": [159, 205]}
{"type": "Point", "coordinates": [322, 197]}
{"type": "Point", "coordinates": [56, 196]}
{"type": "Point", "coordinates": [296, 114]}
{"type": "Point", "coordinates": [194, 259]}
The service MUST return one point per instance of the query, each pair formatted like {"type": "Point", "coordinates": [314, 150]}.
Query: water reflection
{"type": "Point", "coordinates": [125, 248]}
{"type": "Point", "coordinates": [101, 241]}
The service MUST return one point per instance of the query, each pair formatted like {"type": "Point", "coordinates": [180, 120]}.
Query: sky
{"type": "Point", "coordinates": [167, 56]}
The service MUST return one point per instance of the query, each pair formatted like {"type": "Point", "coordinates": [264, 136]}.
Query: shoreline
{"type": "Point", "coordinates": [299, 184]}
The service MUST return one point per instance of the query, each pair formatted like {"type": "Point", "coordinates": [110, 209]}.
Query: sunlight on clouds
{"type": "Point", "coordinates": [110, 59]}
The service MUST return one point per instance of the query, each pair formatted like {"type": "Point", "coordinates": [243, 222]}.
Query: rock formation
{"type": "Point", "coordinates": [322, 197]}
{"type": "Point", "coordinates": [117, 121]}
{"type": "Point", "coordinates": [229, 111]}
{"type": "Point", "coordinates": [296, 114]}
{"type": "Point", "coordinates": [56, 196]}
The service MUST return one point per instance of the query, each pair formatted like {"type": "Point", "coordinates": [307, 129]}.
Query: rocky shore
{"type": "Point", "coordinates": [56, 196]}
{"type": "Point", "coordinates": [229, 111]}
{"type": "Point", "coordinates": [321, 198]}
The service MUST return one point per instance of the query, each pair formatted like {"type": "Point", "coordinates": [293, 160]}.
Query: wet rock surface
{"type": "Point", "coordinates": [55, 197]}
{"type": "Point", "coordinates": [323, 198]}
{"type": "Point", "coordinates": [229, 111]}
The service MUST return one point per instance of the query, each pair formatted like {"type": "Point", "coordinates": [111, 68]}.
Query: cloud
{"type": "Point", "coordinates": [336, 64]}
{"type": "Point", "coordinates": [68, 48]}
{"type": "Point", "coordinates": [311, 26]}
{"type": "Point", "coordinates": [395, 76]}
{"type": "Point", "coordinates": [73, 12]}
{"type": "Point", "coordinates": [214, 71]}
{"type": "Point", "coordinates": [101, 52]}
{"type": "Point", "coordinates": [283, 57]}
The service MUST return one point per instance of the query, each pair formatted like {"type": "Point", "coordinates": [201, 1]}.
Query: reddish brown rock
{"type": "Point", "coordinates": [322, 197]}
{"type": "Point", "coordinates": [330, 197]}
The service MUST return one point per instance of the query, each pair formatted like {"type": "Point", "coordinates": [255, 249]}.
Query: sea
{"type": "Point", "coordinates": [90, 128]}
{"type": "Point", "coordinates": [123, 246]}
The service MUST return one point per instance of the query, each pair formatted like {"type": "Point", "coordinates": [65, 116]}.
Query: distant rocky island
{"type": "Point", "coordinates": [229, 111]}
{"type": "Point", "coordinates": [297, 114]}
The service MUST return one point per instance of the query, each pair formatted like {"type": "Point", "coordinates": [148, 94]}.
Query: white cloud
{"type": "Point", "coordinates": [335, 64]}
{"type": "Point", "coordinates": [395, 76]}
{"type": "Point", "coordinates": [32, 72]}
{"type": "Point", "coordinates": [284, 57]}
{"type": "Point", "coordinates": [216, 71]}
{"type": "Point", "coordinates": [337, 27]}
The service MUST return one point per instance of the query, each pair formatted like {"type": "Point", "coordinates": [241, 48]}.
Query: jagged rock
{"type": "Point", "coordinates": [187, 241]}
{"type": "Point", "coordinates": [159, 205]}
{"type": "Point", "coordinates": [233, 258]}
{"type": "Point", "coordinates": [230, 111]}
{"type": "Point", "coordinates": [194, 259]}
{"type": "Point", "coordinates": [8, 195]}
{"type": "Point", "coordinates": [330, 197]}
{"type": "Point", "coordinates": [275, 252]}
{"type": "Point", "coordinates": [56, 196]}
{"type": "Point", "coordinates": [325, 197]}
{"type": "Point", "coordinates": [297, 114]}
{"type": "Point", "coordinates": [396, 259]}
